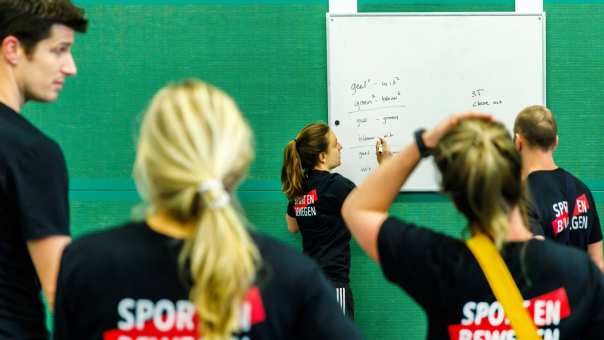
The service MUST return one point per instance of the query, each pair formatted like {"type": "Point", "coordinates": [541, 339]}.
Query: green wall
{"type": "Point", "coordinates": [271, 56]}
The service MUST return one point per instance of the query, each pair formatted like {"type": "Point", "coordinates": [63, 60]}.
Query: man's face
{"type": "Point", "coordinates": [41, 74]}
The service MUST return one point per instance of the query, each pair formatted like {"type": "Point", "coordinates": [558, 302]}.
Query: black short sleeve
{"type": "Point", "coordinates": [595, 234]}
{"type": "Point", "coordinates": [41, 188]}
{"type": "Point", "coordinates": [290, 209]}
{"type": "Point", "coordinates": [341, 187]}
{"type": "Point", "coordinates": [416, 258]}
{"type": "Point", "coordinates": [321, 310]}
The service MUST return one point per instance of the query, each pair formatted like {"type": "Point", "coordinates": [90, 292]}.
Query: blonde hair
{"type": "Point", "coordinates": [193, 133]}
{"type": "Point", "coordinates": [481, 171]}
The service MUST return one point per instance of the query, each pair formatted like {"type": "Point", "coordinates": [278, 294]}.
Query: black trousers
{"type": "Point", "coordinates": [345, 300]}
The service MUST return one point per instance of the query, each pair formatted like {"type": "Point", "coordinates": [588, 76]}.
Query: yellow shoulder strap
{"type": "Point", "coordinates": [503, 286]}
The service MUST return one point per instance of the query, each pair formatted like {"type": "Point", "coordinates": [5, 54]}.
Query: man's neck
{"type": "Point", "coordinates": [537, 159]}
{"type": "Point", "coordinates": [10, 95]}
{"type": "Point", "coordinates": [517, 230]}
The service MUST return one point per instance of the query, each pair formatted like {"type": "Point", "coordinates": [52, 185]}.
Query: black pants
{"type": "Point", "coordinates": [345, 300]}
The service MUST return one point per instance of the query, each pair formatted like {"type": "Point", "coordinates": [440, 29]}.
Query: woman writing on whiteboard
{"type": "Point", "coordinates": [315, 199]}
{"type": "Point", "coordinates": [562, 290]}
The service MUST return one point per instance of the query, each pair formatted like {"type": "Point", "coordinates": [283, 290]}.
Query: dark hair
{"type": "Point", "coordinates": [30, 21]}
{"type": "Point", "coordinates": [301, 155]}
{"type": "Point", "coordinates": [480, 169]}
{"type": "Point", "coordinates": [537, 126]}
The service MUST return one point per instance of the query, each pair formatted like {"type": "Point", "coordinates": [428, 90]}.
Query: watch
{"type": "Point", "coordinates": [424, 151]}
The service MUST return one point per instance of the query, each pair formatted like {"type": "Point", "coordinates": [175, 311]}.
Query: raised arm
{"type": "Point", "coordinates": [366, 207]}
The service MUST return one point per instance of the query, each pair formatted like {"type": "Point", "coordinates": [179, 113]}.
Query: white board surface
{"type": "Point", "coordinates": [391, 73]}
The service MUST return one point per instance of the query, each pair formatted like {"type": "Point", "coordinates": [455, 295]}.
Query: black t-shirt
{"type": "Point", "coordinates": [325, 237]}
{"type": "Point", "coordinates": [562, 288]}
{"type": "Point", "coordinates": [33, 205]}
{"type": "Point", "coordinates": [124, 282]}
{"type": "Point", "coordinates": [563, 208]}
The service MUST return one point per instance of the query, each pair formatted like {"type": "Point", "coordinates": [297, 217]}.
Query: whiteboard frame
{"type": "Point", "coordinates": [329, 16]}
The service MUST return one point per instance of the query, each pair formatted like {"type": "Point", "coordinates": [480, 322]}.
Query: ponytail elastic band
{"type": "Point", "coordinates": [221, 200]}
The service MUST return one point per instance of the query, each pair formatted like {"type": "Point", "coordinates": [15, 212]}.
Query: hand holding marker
{"type": "Point", "coordinates": [382, 150]}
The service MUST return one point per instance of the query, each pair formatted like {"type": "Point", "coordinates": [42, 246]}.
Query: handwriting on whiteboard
{"type": "Point", "coordinates": [375, 94]}
{"type": "Point", "coordinates": [482, 100]}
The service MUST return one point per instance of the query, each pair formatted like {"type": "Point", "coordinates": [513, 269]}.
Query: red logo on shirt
{"type": "Point", "coordinates": [168, 320]}
{"type": "Point", "coordinates": [305, 200]}
{"type": "Point", "coordinates": [581, 205]}
{"type": "Point", "coordinates": [562, 220]}
{"type": "Point", "coordinates": [483, 320]}
{"type": "Point", "coordinates": [304, 205]}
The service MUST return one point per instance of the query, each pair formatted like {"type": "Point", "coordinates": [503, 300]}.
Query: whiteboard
{"type": "Point", "coordinates": [391, 73]}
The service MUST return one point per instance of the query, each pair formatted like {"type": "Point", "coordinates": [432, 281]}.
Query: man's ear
{"type": "Point", "coordinates": [555, 144]}
{"type": "Point", "coordinates": [11, 47]}
{"type": "Point", "coordinates": [518, 142]}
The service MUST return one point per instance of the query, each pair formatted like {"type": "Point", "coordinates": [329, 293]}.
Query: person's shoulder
{"type": "Point", "coordinates": [34, 152]}
{"type": "Point", "coordinates": [15, 127]}
{"type": "Point", "coordinates": [545, 185]}
{"type": "Point", "coordinates": [557, 259]}
{"type": "Point", "coordinates": [538, 177]}
{"type": "Point", "coordinates": [578, 182]}
{"type": "Point", "coordinates": [101, 244]}
{"type": "Point", "coordinates": [337, 179]}
{"type": "Point", "coordinates": [396, 228]}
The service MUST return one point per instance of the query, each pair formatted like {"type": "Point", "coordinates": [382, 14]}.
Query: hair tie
{"type": "Point", "coordinates": [222, 198]}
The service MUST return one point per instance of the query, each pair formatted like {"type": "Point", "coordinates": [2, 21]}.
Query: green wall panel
{"type": "Point", "coordinates": [271, 56]}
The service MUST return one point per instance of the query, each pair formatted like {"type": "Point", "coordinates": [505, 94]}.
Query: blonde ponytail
{"type": "Point", "coordinates": [222, 259]}
{"type": "Point", "coordinates": [481, 170]}
{"type": "Point", "coordinates": [194, 149]}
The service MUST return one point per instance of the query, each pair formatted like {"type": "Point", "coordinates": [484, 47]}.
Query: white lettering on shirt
{"type": "Point", "coordinates": [560, 208]}
{"type": "Point", "coordinates": [164, 314]}
{"type": "Point", "coordinates": [487, 320]}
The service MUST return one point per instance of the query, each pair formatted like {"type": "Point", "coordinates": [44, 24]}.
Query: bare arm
{"type": "Point", "coordinates": [46, 256]}
{"type": "Point", "coordinates": [366, 207]}
{"type": "Point", "coordinates": [595, 252]}
{"type": "Point", "coordinates": [292, 224]}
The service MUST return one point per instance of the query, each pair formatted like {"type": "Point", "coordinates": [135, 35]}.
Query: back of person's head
{"type": "Point", "coordinates": [301, 155]}
{"type": "Point", "coordinates": [537, 126]}
{"type": "Point", "coordinates": [480, 169]}
{"type": "Point", "coordinates": [193, 150]}
{"type": "Point", "coordinates": [30, 21]}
